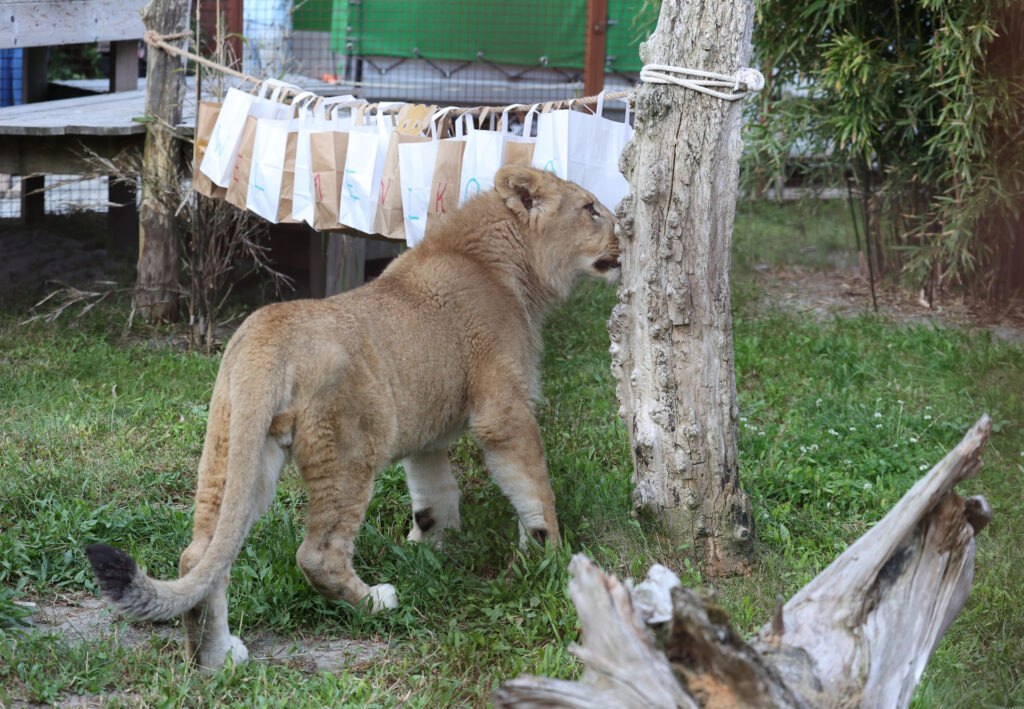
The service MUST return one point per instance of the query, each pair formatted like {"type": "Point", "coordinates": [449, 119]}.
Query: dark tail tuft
{"type": "Point", "coordinates": [113, 568]}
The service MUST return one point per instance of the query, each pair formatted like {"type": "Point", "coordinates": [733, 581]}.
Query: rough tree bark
{"type": "Point", "coordinates": [858, 635]}
{"type": "Point", "coordinates": [671, 332]}
{"type": "Point", "coordinates": [156, 287]}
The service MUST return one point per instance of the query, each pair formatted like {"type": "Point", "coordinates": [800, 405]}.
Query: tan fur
{"type": "Point", "coordinates": [448, 337]}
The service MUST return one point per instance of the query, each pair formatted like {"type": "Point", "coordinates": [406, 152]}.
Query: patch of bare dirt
{"type": "Point", "coordinates": [35, 261]}
{"type": "Point", "coordinates": [848, 293]}
{"type": "Point", "coordinates": [87, 619]}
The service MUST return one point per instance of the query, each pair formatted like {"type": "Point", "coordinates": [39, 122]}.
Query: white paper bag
{"type": "Point", "coordinates": [263, 193]}
{"type": "Point", "coordinates": [364, 164]}
{"type": "Point", "coordinates": [584, 148]}
{"type": "Point", "coordinates": [481, 159]}
{"type": "Point", "coordinates": [551, 149]}
{"type": "Point", "coordinates": [594, 149]}
{"type": "Point", "coordinates": [311, 120]}
{"type": "Point", "coordinates": [222, 151]}
{"type": "Point", "coordinates": [416, 170]}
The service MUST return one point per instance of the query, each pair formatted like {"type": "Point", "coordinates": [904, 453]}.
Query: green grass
{"type": "Point", "coordinates": [100, 437]}
{"type": "Point", "coordinates": [809, 233]}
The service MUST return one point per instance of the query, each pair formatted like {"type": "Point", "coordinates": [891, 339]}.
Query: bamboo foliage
{"type": "Point", "coordinates": [918, 106]}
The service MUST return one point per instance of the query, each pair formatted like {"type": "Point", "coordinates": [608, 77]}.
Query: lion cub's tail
{"type": "Point", "coordinates": [129, 590]}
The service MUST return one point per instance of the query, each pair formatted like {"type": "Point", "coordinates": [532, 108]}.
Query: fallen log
{"type": "Point", "coordinates": [858, 635]}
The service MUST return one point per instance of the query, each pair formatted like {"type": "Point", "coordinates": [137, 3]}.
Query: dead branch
{"type": "Point", "coordinates": [858, 635]}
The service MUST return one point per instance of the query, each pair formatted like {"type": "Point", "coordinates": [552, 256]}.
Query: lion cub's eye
{"type": "Point", "coordinates": [589, 206]}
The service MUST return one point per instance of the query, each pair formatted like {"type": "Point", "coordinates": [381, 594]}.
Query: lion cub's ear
{"type": "Point", "coordinates": [522, 188]}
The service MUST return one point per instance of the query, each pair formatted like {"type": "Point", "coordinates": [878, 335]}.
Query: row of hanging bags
{"type": "Point", "coordinates": [584, 148]}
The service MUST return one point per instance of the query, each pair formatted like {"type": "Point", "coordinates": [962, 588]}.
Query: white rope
{"type": "Point", "coordinates": [743, 82]}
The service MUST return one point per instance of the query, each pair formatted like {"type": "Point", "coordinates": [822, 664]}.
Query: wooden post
{"type": "Point", "coordinates": [33, 88]}
{"type": "Point", "coordinates": [123, 220]}
{"type": "Point", "coordinates": [596, 45]}
{"type": "Point", "coordinates": [156, 290]}
{"type": "Point", "coordinates": [316, 264]}
{"type": "Point", "coordinates": [124, 65]}
{"type": "Point", "coordinates": [235, 27]}
{"type": "Point", "coordinates": [346, 263]}
{"type": "Point", "coordinates": [671, 332]}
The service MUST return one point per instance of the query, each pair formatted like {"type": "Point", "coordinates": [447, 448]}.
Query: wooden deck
{"type": "Point", "coordinates": [49, 136]}
{"type": "Point", "coordinates": [102, 114]}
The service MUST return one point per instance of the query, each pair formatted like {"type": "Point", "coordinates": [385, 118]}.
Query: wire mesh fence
{"type": "Point", "coordinates": [63, 194]}
{"type": "Point", "coordinates": [451, 52]}
{"type": "Point", "coordinates": [460, 52]}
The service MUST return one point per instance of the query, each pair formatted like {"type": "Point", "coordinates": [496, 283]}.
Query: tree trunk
{"type": "Point", "coordinates": [858, 635]}
{"type": "Point", "coordinates": [672, 329]}
{"type": "Point", "coordinates": [156, 290]}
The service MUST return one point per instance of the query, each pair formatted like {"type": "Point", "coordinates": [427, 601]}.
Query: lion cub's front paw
{"type": "Point", "coordinates": [382, 596]}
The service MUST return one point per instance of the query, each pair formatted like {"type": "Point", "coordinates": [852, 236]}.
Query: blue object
{"type": "Point", "coordinates": [10, 77]}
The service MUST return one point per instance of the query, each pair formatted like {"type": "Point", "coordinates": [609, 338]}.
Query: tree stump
{"type": "Point", "coordinates": [858, 635]}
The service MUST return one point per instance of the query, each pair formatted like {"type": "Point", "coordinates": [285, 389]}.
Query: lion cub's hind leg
{"type": "Point", "coordinates": [340, 487]}
{"type": "Point", "coordinates": [435, 495]}
{"type": "Point", "coordinates": [208, 640]}
{"type": "Point", "coordinates": [207, 637]}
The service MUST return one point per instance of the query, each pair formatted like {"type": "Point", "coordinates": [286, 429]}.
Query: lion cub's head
{"type": "Point", "coordinates": [571, 232]}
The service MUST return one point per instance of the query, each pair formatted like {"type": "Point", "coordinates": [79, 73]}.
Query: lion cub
{"type": "Point", "coordinates": [448, 337]}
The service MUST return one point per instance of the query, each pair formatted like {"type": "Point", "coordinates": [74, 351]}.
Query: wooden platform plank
{"type": "Point", "coordinates": [102, 114]}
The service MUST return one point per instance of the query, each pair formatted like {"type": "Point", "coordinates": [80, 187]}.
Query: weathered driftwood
{"type": "Point", "coordinates": [858, 635]}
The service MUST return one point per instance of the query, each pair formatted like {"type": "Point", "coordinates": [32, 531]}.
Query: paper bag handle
{"type": "Point", "coordinates": [331, 112]}
{"type": "Point", "coordinates": [436, 118]}
{"type": "Point", "coordinates": [529, 120]}
{"type": "Point", "coordinates": [322, 107]}
{"type": "Point", "coordinates": [504, 115]}
{"type": "Point", "coordinates": [381, 108]}
{"type": "Point", "coordinates": [302, 100]}
{"type": "Point", "coordinates": [278, 87]}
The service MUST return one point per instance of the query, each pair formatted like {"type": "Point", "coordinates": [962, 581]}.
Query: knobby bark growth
{"type": "Point", "coordinates": [671, 332]}
{"type": "Point", "coordinates": [156, 288]}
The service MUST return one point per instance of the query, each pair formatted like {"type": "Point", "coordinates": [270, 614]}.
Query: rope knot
{"type": "Point", "coordinates": [751, 78]}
